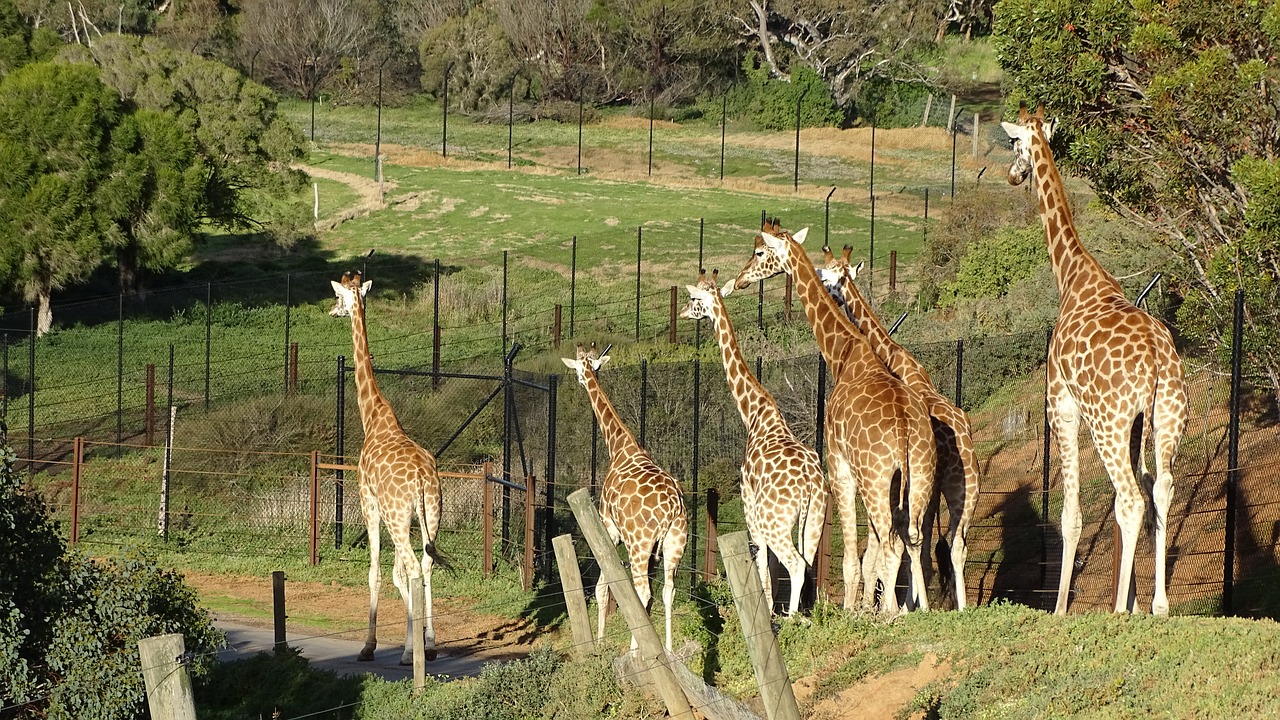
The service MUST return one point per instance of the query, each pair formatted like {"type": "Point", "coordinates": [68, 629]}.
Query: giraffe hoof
{"type": "Point", "coordinates": [365, 655]}
{"type": "Point", "coordinates": [430, 655]}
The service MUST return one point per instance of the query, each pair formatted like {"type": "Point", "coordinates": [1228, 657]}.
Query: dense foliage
{"type": "Point", "coordinates": [1170, 111]}
{"type": "Point", "coordinates": [70, 625]}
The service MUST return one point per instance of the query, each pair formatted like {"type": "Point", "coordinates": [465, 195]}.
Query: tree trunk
{"type": "Point", "coordinates": [44, 312]}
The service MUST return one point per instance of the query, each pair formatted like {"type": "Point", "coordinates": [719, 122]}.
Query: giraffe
{"type": "Point", "coordinates": [1111, 365]}
{"type": "Point", "coordinates": [877, 431]}
{"type": "Point", "coordinates": [782, 482]}
{"type": "Point", "coordinates": [640, 503]}
{"type": "Point", "coordinates": [398, 480]}
{"type": "Point", "coordinates": [957, 473]}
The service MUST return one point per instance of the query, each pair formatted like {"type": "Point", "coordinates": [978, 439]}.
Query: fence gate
{"type": "Point", "coordinates": [504, 422]}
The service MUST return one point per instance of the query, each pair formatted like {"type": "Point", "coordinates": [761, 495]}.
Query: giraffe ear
{"type": "Point", "coordinates": [858, 269]}
{"type": "Point", "coordinates": [337, 288]}
{"type": "Point", "coordinates": [365, 287]}
{"type": "Point", "coordinates": [571, 364]}
{"type": "Point", "coordinates": [600, 361]}
{"type": "Point", "coordinates": [1049, 128]}
{"type": "Point", "coordinates": [800, 235]}
{"type": "Point", "coordinates": [696, 292]}
{"type": "Point", "coordinates": [1015, 131]}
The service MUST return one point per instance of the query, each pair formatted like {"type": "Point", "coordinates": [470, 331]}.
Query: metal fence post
{"type": "Point", "coordinates": [507, 419]}
{"type": "Point", "coordinates": [288, 296]}
{"type": "Point", "coordinates": [639, 245]}
{"type": "Point", "coordinates": [713, 517]}
{"type": "Point", "coordinates": [959, 372]}
{"type": "Point", "coordinates": [822, 571]}
{"type": "Point", "coordinates": [504, 301]}
{"type": "Point", "coordinates": [339, 450]}
{"type": "Point", "coordinates": [644, 400]}
{"type": "Point", "coordinates": [435, 331]}
{"type": "Point", "coordinates": [1233, 458]}
{"type": "Point", "coordinates": [208, 335]}
{"type": "Point", "coordinates": [697, 423]}
{"type": "Point", "coordinates": [549, 476]}
{"type": "Point", "coordinates": [573, 282]}
{"type": "Point", "coordinates": [1044, 479]}
{"type": "Point", "coordinates": [315, 508]}
{"type": "Point", "coordinates": [150, 409]}
{"type": "Point", "coordinates": [119, 370]}
{"type": "Point", "coordinates": [31, 394]}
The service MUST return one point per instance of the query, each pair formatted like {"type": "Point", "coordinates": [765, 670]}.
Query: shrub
{"type": "Point", "coordinates": [770, 103]}
{"type": "Point", "coordinates": [70, 625]}
{"type": "Point", "coordinates": [991, 265]}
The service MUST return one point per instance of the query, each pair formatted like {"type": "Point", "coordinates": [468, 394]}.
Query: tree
{"type": "Point", "coordinates": [846, 43]}
{"type": "Point", "coordinates": [474, 51]}
{"type": "Point", "coordinates": [55, 131]}
{"type": "Point", "coordinates": [244, 147]}
{"type": "Point", "coordinates": [303, 43]}
{"type": "Point", "coordinates": [20, 43]}
{"type": "Point", "coordinates": [1171, 112]}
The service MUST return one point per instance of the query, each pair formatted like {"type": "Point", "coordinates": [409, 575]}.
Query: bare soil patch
{"type": "Point", "coordinates": [883, 696]}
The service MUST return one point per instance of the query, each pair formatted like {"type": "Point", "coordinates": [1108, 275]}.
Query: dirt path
{"type": "Point", "coordinates": [371, 198]}
{"type": "Point", "coordinates": [330, 609]}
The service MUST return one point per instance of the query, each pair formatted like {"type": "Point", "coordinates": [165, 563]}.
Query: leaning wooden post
{"type": "Point", "coordinates": [168, 686]}
{"type": "Point", "coordinates": [762, 645]}
{"type": "Point", "coordinates": [575, 598]}
{"type": "Point", "coordinates": [418, 596]}
{"type": "Point", "coordinates": [651, 651]}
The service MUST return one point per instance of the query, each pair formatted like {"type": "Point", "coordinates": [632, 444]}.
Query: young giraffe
{"type": "Point", "coordinates": [957, 473]}
{"type": "Point", "coordinates": [1110, 364]}
{"type": "Point", "coordinates": [782, 482]}
{"type": "Point", "coordinates": [879, 441]}
{"type": "Point", "coordinates": [397, 481]}
{"type": "Point", "coordinates": [641, 504]}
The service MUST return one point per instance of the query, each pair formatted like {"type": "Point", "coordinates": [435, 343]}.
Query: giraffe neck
{"type": "Point", "coordinates": [755, 404]}
{"type": "Point", "coordinates": [369, 397]}
{"type": "Point", "coordinates": [839, 340]}
{"type": "Point", "coordinates": [1076, 270]}
{"type": "Point", "coordinates": [617, 437]}
{"type": "Point", "coordinates": [867, 322]}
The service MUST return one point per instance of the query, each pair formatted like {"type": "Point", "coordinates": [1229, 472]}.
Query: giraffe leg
{"type": "Point", "coordinates": [672, 551]}
{"type": "Point", "coordinates": [843, 486]}
{"type": "Point", "coordinates": [428, 564]}
{"type": "Point", "coordinates": [890, 562]}
{"type": "Point", "coordinates": [961, 491]}
{"type": "Point", "coordinates": [1129, 511]}
{"type": "Point", "coordinates": [602, 587]}
{"type": "Point", "coordinates": [762, 567]}
{"type": "Point", "coordinates": [1065, 419]}
{"type": "Point", "coordinates": [792, 560]}
{"type": "Point", "coordinates": [374, 528]}
{"type": "Point", "coordinates": [404, 574]}
{"type": "Point", "coordinates": [640, 577]}
{"type": "Point", "coordinates": [872, 562]}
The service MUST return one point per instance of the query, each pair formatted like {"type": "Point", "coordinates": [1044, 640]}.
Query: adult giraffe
{"type": "Point", "coordinates": [398, 480]}
{"type": "Point", "coordinates": [782, 482]}
{"type": "Point", "coordinates": [1110, 364]}
{"type": "Point", "coordinates": [958, 476]}
{"type": "Point", "coordinates": [879, 440]}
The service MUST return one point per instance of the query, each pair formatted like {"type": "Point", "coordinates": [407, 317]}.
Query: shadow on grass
{"type": "Point", "coordinates": [274, 682]}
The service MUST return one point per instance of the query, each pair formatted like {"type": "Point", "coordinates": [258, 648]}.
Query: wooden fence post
{"type": "Point", "coordinates": [486, 522]}
{"type": "Point", "coordinates": [575, 598]}
{"type": "Point", "coordinates": [558, 327]}
{"type": "Point", "coordinates": [709, 550]}
{"type": "Point", "coordinates": [418, 597]}
{"type": "Point", "coordinates": [530, 508]}
{"type": "Point", "coordinates": [893, 270]}
{"type": "Point", "coordinates": [762, 645]}
{"type": "Point", "coordinates": [315, 507]}
{"type": "Point", "coordinates": [168, 685]}
{"type": "Point", "coordinates": [277, 607]}
{"type": "Point", "coordinates": [293, 368]}
{"type": "Point", "coordinates": [650, 646]}
{"type": "Point", "coordinates": [77, 460]}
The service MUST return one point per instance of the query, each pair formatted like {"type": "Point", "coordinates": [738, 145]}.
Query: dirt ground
{"type": "Point", "coordinates": [457, 627]}
{"type": "Point", "coordinates": [876, 698]}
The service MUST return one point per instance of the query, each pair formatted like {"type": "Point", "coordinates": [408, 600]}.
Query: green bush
{"type": "Point", "coordinates": [70, 625]}
{"type": "Point", "coordinates": [235, 690]}
{"type": "Point", "coordinates": [991, 265]}
{"type": "Point", "coordinates": [770, 103]}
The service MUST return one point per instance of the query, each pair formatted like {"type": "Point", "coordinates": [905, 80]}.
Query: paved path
{"type": "Point", "coordinates": [339, 656]}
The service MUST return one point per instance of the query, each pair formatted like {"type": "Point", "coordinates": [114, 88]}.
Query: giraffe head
{"type": "Point", "coordinates": [587, 362]}
{"type": "Point", "coordinates": [1021, 134]}
{"type": "Point", "coordinates": [348, 290]}
{"type": "Point", "coordinates": [835, 270]}
{"type": "Point", "coordinates": [701, 297]}
{"type": "Point", "coordinates": [773, 245]}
